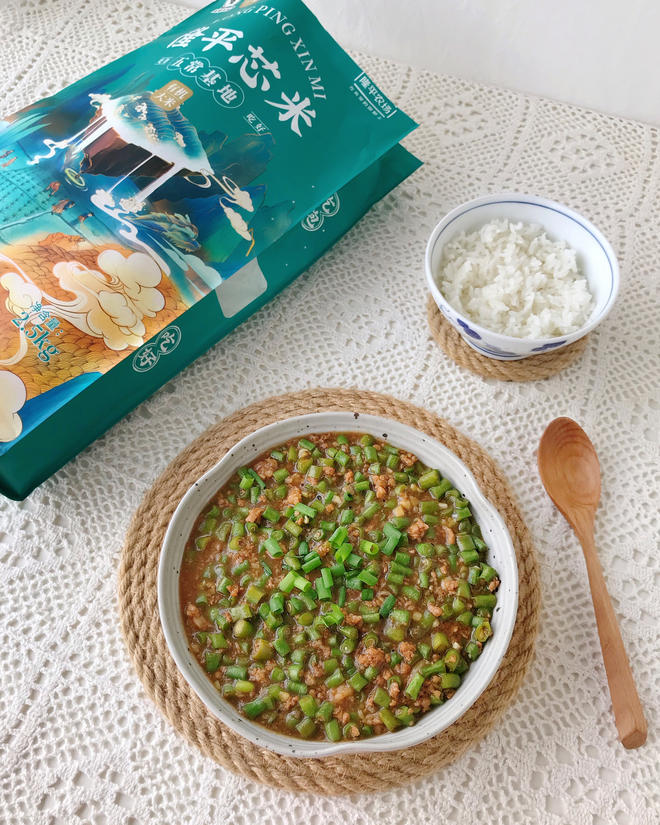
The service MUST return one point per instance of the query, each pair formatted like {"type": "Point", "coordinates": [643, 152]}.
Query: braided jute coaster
{"type": "Point", "coordinates": [354, 773]}
{"type": "Point", "coordinates": [534, 368]}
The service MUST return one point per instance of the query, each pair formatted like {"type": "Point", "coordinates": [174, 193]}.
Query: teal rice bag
{"type": "Point", "coordinates": [149, 208]}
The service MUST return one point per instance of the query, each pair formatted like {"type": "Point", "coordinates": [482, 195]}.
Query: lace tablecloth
{"type": "Point", "coordinates": [79, 740]}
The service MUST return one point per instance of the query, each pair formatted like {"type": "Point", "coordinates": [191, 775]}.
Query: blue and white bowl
{"type": "Point", "coordinates": [595, 256]}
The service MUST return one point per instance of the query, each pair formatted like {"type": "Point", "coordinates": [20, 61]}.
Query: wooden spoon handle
{"type": "Point", "coordinates": [628, 712]}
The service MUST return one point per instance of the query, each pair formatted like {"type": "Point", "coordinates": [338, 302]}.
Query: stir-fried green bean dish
{"type": "Point", "coordinates": [337, 588]}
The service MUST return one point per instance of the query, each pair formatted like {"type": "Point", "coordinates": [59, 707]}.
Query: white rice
{"type": "Point", "coordinates": [511, 278]}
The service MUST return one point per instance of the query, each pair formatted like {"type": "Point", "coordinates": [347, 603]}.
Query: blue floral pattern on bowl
{"type": "Point", "coordinates": [468, 329]}
{"type": "Point", "coordinates": [552, 345]}
{"type": "Point", "coordinates": [496, 351]}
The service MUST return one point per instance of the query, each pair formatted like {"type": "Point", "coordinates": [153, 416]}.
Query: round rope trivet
{"type": "Point", "coordinates": [533, 368]}
{"type": "Point", "coordinates": [354, 773]}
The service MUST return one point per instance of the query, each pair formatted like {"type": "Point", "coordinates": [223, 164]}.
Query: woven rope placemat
{"type": "Point", "coordinates": [354, 773]}
{"type": "Point", "coordinates": [534, 368]}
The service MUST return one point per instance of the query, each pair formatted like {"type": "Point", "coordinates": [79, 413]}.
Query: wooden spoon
{"type": "Point", "coordinates": [570, 473]}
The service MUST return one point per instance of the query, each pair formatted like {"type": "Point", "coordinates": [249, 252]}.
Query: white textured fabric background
{"type": "Point", "coordinates": [79, 740]}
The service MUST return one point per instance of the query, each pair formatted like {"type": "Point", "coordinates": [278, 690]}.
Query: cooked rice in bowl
{"type": "Point", "coordinates": [511, 278]}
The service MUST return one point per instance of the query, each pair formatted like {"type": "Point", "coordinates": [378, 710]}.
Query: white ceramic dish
{"type": "Point", "coordinates": [596, 260]}
{"type": "Point", "coordinates": [431, 452]}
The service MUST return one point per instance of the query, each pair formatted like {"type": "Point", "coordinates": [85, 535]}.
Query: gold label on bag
{"type": "Point", "coordinates": [171, 95]}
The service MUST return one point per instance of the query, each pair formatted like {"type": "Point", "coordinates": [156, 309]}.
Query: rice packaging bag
{"type": "Point", "coordinates": [149, 208]}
